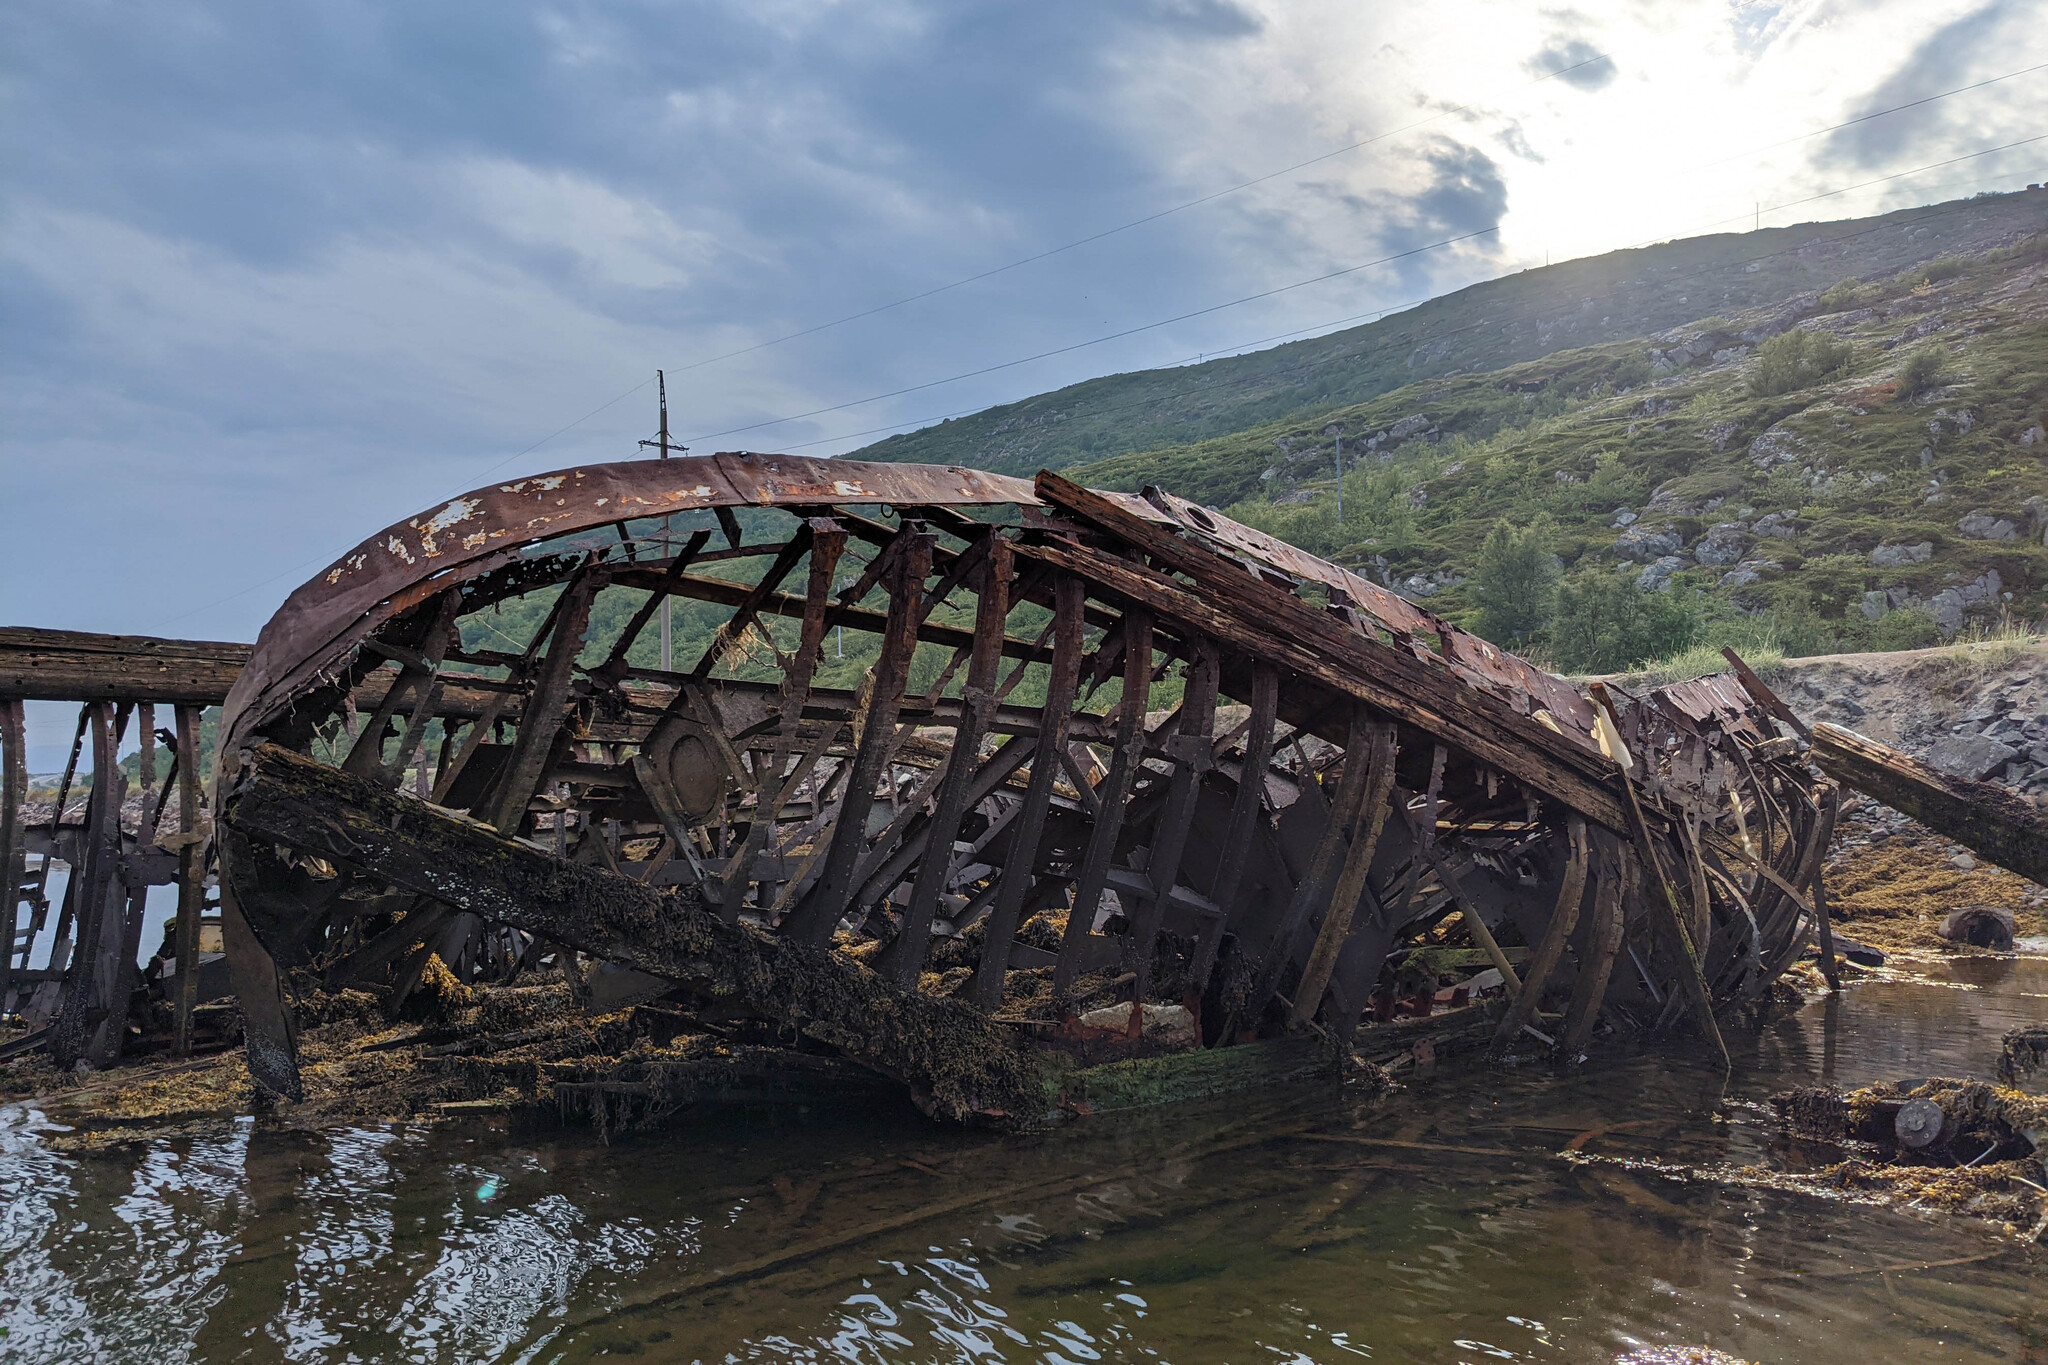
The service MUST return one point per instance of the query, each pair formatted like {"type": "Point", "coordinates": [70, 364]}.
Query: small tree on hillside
{"type": "Point", "coordinates": [1605, 623]}
{"type": "Point", "coordinates": [1517, 580]}
{"type": "Point", "coordinates": [1922, 371]}
{"type": "Point", "coordinates": [1797, 359]}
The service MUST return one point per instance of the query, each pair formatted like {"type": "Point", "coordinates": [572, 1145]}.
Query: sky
{"type": "Point", "coordinates": [274, 276]}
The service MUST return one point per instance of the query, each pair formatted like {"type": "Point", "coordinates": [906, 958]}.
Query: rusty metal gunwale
{"type": "Point", "coordinates": [328, 616]}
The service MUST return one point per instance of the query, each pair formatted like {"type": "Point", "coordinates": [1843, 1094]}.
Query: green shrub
{"type": "Point", "coordinates": [1945, 268]}
{"type": "Point", "coordinates": [1922, 371]}
{"type": "Point", "coordinates": [1797, 359]}
{"type": "Point", "coordinates": [1516, 580]}
{"type": "Point", "coordinates": [1604, 623]}
{"type": "Point", "coordinates": [1850, 293]}
{"type": "Point", "coordinates": [1908, 629]}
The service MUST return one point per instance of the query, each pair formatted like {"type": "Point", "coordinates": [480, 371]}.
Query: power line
{"type": "Point", "coordinates": [1121, 227]}
{"type": "Point", "coordinates": [1299, 284]}
{"type": "Point", "coordinates": [1097, 341]}
{"type": "Point", "coordinates": [1865, 118]}
{"type": "Point", "coordinates": [1711, 268]}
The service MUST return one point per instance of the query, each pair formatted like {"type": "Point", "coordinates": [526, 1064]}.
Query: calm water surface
{"type": "Point", "coordinates": [1286, 1226]}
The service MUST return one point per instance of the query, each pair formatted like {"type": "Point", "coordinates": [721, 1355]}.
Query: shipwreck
{"type": "Point", "coordinates": [993, 870]}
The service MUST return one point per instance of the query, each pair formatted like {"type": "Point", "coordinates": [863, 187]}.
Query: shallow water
{"type": "Point", "coordinates": [1290, 1225]}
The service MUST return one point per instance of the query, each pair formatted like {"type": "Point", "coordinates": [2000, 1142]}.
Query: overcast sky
{"type": "Point", "coordinates": [277, 275]}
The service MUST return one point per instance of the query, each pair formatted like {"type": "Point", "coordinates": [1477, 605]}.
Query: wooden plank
{"type": "Point", "coordinates": [1762, 695]}
{"type": "Point", "coordinates": [1321, 655]}
{"type": "Point", "coordinates": [1434, 691]}
{"type": "Point", "coordinates": [818, 915]}
{"type": "Point", "coordinates": [76, 665]}
{"type": "Point", "coordinates": [1114, 794]}
{"type": "Point", "coordinates": [775, 786]}
{"type": "Point", "coordinates": [1364, 842]}
{"type": "Point", "coordinates": [749, 606]}
{"type": "Point", "coordinates": [724, 592]}
{"type": "Point", "coordinates": [1028, 826]}
{"type": "Point", "coordinates": [1564, 917]}
{"type": "Point", "coordinates": [13, 853]}
{"type": "Point", "coordinates": [89, 985]}
{"type": "Point", "coordinates": [904, 957]}
{"type": "Point", "coordinates": [191, 879]}
{"type": "Point", "coordinates": [1997, 824]}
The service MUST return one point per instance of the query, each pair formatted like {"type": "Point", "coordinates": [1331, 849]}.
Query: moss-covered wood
{"type": "Point", "coordinates": [958, 1065]}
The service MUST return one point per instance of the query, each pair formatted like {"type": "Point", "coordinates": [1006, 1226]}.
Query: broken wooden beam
{"type": "Point", "coordinates": [2005, 828]}
{"type": "Point", "coordinates": [958, 1064]}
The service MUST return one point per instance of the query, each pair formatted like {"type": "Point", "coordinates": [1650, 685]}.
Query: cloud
{"type": "Point", "coordinates": [1944, 59]}
{"type": "Point", "coordinates": [1574, 61]}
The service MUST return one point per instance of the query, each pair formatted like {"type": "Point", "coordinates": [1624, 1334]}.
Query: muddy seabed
{"type": "Point", "coordinates": [1475, 1214]}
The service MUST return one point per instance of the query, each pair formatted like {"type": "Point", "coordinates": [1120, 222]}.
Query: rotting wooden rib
{"type": "Point", "coordinates": [1351, 882]}
{"type": "Point", "coordinates": [1611, 875]}
{"type": "Point", "coordinates": [1191, 749]}
{"type": "Point", "coordinates": [904, 957]}
{"type": "Point", "coordinates": [1092, 877]}
{"type": "Point", "coordinates": [818, 914]}
{"type": "Point", "coordinates": [1556, 935]}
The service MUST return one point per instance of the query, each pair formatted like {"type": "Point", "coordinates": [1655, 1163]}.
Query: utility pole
{"type": "Point", "coordinates": [1340, 485]}
{"type": "Point", "coordinates": [664, 445]}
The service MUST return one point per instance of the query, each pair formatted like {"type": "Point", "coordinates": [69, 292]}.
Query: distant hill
{"type": "Point", "coordinates": [1520, 317]}
{"type": "Point", "coordinates": [1883, 487]}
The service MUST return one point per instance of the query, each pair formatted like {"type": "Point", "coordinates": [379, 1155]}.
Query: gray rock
{"type": "Point", "coordinates": [1985, 526]}
{"type": "Point", "coordinates": [1747, 572]}
{"type": "Point", "coordinates": [1624, 517]}
{"type": "Point", "coordinates": [1874, 606]}
{"type": "Point", "coordinates": [1898, 556]}
{"type": "Point", "coordinates": [1722, 545]}
{"type": "Point", "coordinates": [1776, 524]}
{"type": "Point", "coordinates": [1646, 544]}
{"type": "Point", "coordinates": [1657, 577]}
{"type": "Point", "coordinates": [1946, 607]}
{"type": "Point", "coordinates": [1972, 757]}
{"type": "Point", "coordinates": [1720, 434]}
{"type": "Point", "coordinates": [1407, 426]}
{"type": "Point", "coordinates": [1775, 446]}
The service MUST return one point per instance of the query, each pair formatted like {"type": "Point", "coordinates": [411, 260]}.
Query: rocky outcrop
{"type": "Point", "coordinates": [1899, 556]}
{"type": "Point", "coordinates": [1644, 544]}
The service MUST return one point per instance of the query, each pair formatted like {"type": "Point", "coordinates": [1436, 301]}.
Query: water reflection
{"type": "Point", "coordinates": [1290, 1226]}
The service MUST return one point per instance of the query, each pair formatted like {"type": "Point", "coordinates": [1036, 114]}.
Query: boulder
{"type": "Point", "coordinates": [1971, 757]}
{"type": "Point", "coordinates": [1899, 556]}
{"type": "Point", "coordinates": [1986, 526]}
{"type": "Point", "coordinates": [1657, 577]}
{"type": "Point", "coordinates": [1979, 926]}
{"type": "Point", "coordinates": [1646, 544]}
{"type": "Point", "coordinates": [1776, 524]}
{"type": "Point", "coordinates": [1722, 545]}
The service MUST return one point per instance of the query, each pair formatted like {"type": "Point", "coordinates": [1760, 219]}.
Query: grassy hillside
{"type": "Point", "coordinates": [1862, 467]}
{"type": "Point", "coordinates": [1521, 317]}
